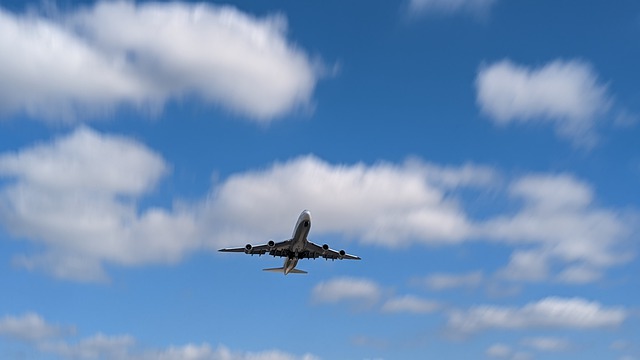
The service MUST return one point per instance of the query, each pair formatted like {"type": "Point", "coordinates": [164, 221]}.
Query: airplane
{"type": "Point", "coordinates": [298, 247]}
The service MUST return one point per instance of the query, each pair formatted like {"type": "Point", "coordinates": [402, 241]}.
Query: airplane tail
{"type": "Point", "coordinates": [281, 270]}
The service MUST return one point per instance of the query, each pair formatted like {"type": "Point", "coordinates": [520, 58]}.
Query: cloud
{"type": "Point", "coordinates": [386, 204]}
{"type": "Point", "coordinates": [30, 327]}
{"type": "Point", "coordinates": [560, 219]}
{"type": "Point", "coordinates": [499, 351]}
{"type": "Point", "coordinates": [450, 6]}
{"type": "Point", "coordinates": [566, 94]}
{"type": "Point", "coordinates": [410, 304]}
{"type": "Point", "coordinates": [346, 289]}
{"type": "Point", "coordinates": [550, 344]}
{"type": "Point", "coordinates": [77, 197]}
{"type": "Point", "coordinates": [51, 339]}
{"type": "Point", "coordinates": [550, 312]}
{"type": "Point", "coordinates": [98, 346]}
{"type": "Point", "coordinates": [442, 281]}
{"type": "Point", "coordinates": [143, 55]}
{"type": "Point", "coordinates": [122, 348]}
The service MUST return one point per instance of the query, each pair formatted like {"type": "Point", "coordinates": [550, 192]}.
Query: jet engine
{"type": "Point", "coordinates": [342, 254]}
{"type": "Point", "coordinates": [271, 244]}
{"type": "Point", "coordinates": [247, 248]}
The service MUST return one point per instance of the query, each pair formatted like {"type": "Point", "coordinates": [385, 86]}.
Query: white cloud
{"type": "Point", "coordinates": [579, 274]}
{"type": "Point", "coordinates": [99, 346]}
{"type": "Point", "coordinates": [529, 265]}
{"type": "Point", "coordinates": [146, 54]}
{"type": "Point", "coordinates": [410, 304]}
{"type": "Point", "coordinates": [499, 351]}
{"type": "Point", "coordinates": [346, 289]}
{"type": "Point", "coordinates": [441, 281]}
{"type": "Point", "coordinates": [551, 312]}
{"type": "Point", "coordinates": [450, 6]}
{"type": "Point", "coordinates": [551, 344]}
{"type": "Point", "coordinates": [385, 204]}
{"type": "Point", "coordinates": [567, 94]}
{"type": "Point", "coordinates": [77, 196]}
{"type": "Point", "coordinates": [87, 162]}
{"type": "Point", "coordinates": [560, 219]}
{"type": "Point", "coordinates": [30, 327]}
{"type": "Point", "coordinates": [51, 339]}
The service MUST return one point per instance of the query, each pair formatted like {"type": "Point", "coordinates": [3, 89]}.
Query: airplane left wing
{"type": "Point", "coordinates": [259, 249]}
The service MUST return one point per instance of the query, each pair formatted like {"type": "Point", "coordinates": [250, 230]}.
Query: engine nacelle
{"type": "Point", "coordinates": [271, 243]}
{"type": "Point", "coordinates": [342, 254]}
{"type": "Point", "coordinates": [325, 247]}
{"type": "Point", "coordinates": [247, 248]}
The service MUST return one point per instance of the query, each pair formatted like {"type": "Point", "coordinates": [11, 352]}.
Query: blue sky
{"type": "Point", "coordinates": [481, 156]}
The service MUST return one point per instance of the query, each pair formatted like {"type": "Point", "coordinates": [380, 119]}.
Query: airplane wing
{"type": "Point", "coordinates": [315, 251]}
{"type": "Point", "coordinates": [271, 247]}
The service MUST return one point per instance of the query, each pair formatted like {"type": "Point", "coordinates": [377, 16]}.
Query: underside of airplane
{"type": "Point", "coordinates": [294, 249]}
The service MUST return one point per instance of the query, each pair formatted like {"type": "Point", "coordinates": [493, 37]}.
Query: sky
{"type": "Point", "coordinates": [482, 157]}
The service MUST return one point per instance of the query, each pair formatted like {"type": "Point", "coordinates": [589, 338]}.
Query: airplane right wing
{"type": "Point", "coordinates": [324, 251]}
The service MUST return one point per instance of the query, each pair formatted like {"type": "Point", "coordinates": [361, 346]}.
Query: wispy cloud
{"type": "Point", "coordinates": [346, 289]}
{"type": "Point", "coordinates": [410, 304]}
{"type": "Point", "coordinates": [560, 217]}
{"type": "Point", "coordinates": [566, 94]}
{"type": "Point", "coordinates": [143, 55]}
{"type": "Point", "coordinates": [551, 312]}
{"type": "Point", "coordinates": [549, 344]}
{"type": "Point", "coordinates": [441, 281]}
{"type": "Point", "coordinates": [450, 6]}
{"type": "Point", "coordinates": [31, 327]}
{"type": "Point", "coordinates": [48, 339]}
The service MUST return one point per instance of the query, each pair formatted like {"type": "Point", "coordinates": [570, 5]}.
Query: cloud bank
{"type": "Point", "coordinates": [78, 199]}
{"type": "Point", "coordinates": [144, 55]}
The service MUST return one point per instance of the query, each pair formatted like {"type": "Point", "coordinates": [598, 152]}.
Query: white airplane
{"type": "Point", "coordinates": [298, 247]}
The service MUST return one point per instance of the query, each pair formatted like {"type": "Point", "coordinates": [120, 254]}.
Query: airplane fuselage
{"type": "Point", "coordinates": [300, 233]}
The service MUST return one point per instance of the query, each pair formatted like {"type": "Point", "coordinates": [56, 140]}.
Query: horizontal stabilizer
{"type": "Point", "coordinates": [281, 270]}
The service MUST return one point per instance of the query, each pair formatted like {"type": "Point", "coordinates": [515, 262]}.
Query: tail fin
{"type": "Point", "coordinates": [281, 270]}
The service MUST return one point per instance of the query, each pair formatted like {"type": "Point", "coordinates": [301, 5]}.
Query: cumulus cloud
{"type": "Point", "coordinates": [559, 218]}
{"type": "Point", "coordinates": [147, 54]}
{"type": "Point", "coordinates": [566, 94]}
{"type": "Point", "coordinates": [77, 197]}
{"type": "Point", "coordinates": [386, 204]}
{"type": "Point", "coordinates": [450, 6]}
{"type": "Point", "coordinates": [551, 312]}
